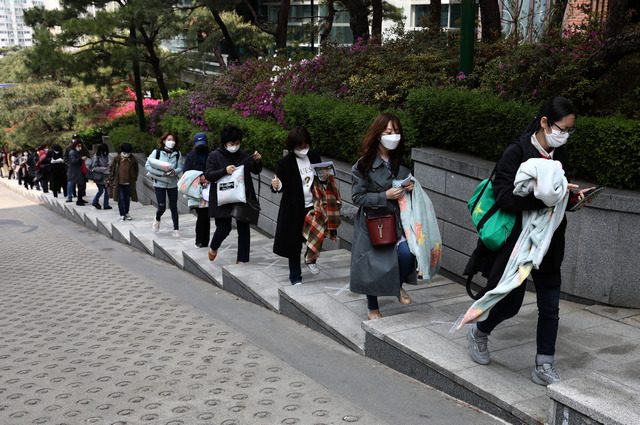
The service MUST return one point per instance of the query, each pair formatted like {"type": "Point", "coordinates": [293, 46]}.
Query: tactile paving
{"type": "Point", "coordinates": [84, 341]}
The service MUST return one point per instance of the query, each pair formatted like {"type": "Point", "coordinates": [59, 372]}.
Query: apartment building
{"type": "Point", "coordinates": [13, 31]}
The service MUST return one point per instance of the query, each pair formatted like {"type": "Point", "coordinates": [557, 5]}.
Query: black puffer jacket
{"type": "Point", "coordinates": [492, 264]}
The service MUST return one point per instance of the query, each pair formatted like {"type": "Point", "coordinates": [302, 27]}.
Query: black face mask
{"type": "Point", "coordinates": [202, 149]}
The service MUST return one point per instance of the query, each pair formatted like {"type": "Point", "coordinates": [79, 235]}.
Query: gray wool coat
{"type": "Point", "coordinates": [374, 270]}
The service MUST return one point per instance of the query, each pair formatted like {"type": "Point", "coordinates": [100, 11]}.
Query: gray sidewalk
{"type": "Point", "coordinates": [598, 346]}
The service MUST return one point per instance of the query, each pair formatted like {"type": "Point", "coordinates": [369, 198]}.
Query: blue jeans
{"type": "Point", "coordinates": [101, 189]}
{"type": "Point", "coordinates": [223, 228]}
{"type": "Point", "coordinates": [161, 197]}
{"type": "Point", "coordinates": [406, 266]}
{"type": "Point", "coordinates": [70, 189]}
{"type": "Point", "coordinates": [124, 199]}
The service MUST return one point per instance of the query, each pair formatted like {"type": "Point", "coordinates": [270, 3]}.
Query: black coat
{"type": "Point", "coordinates": [288, 239]}
{"type": "Point", "coordinates": [216, 168]}
{"type": "Point", "coordinates": [196, 160]}
{"type": "Point", "coordinates": [492, 264]}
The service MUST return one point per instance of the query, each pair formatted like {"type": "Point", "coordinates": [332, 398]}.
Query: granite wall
{"type": "Point", "coordinates": [602, 258]}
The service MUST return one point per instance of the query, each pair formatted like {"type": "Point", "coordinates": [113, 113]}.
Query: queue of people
{"type": "Point", "coordinates": [395, 240]}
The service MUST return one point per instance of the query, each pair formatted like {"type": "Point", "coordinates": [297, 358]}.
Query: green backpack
{"type": "Point", "coordinates": [492, 224]}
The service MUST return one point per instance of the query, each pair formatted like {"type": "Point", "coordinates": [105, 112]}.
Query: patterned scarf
{"type": "Point", "coordinates": [323, 219]}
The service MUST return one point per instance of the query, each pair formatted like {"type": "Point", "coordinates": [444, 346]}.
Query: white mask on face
{"type": "Point", "coordinates": [390, 141]}
{"type": "Point", "coordinates": [79, 148]}
{"type": "Point", "coordinates": [556, 138]}
{"type": "Point", "coordinates": [169, 144]}
{"type": "Point", "coordinates": [232, 148]}
{"type": "Point", "coordinates": [301, 153]}
{"type": "Point", "coordinates": [125, 154]}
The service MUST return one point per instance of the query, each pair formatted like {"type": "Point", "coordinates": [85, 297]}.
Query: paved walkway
{"type": "Point", "coordinates": [85, 341]}
{"type": "Point", "coordinates": [416, 340]}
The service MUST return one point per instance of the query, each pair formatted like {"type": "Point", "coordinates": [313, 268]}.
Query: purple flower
{"type": "Point", "coordinates": [461, 76]}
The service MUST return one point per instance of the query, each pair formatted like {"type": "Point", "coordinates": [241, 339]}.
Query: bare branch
{"type": "Point", "coordinates": [256, 21]}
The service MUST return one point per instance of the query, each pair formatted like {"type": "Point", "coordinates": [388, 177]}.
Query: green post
{"type": "Point", "coordinates": [467, 35]}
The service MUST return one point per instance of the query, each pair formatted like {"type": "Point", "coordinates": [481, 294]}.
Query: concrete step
{"type": "Point", "coordinates": [260, 280]}
{"type": "Point", "coordinates": [595, 397]}
{"type": "Point", "coordinates": [419, 345]}
{"type": "Point", "coordinates": [416, 339]}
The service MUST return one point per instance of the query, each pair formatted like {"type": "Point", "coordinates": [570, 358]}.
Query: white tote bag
{"type": "Point", "coordinates": [230, 188]}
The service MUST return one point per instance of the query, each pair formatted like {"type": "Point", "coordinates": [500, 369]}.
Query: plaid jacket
{"type": "Point", "coordinates": [323, 219]}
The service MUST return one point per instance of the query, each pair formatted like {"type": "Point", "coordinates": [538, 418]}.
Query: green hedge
{"type": "Point", "coordinates": [602, 150]}
{"type": "Point", "coordinates": [337, 126]}
{"type": "Point", "coordinates": [607, 151]}
{"type": "Point", "coordinates": [466, 121]}
{"type": "Point", "coordinates": [267, 137]}
{"type": "Point", "coordinates": [129, 133]}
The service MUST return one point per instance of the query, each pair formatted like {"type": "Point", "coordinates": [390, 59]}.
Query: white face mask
{"type": "Point", "coordinates": [232, 148]}
{"type": "Point", "coordinates": [169, 144]}
{"type": "Point", "coordinates": [301, 153]}
{"type": "Point", "coordinates": [556, 138]}
{"type": "Point", "coordinates": [78, 148]}
{"type": "Point", "coordinates": [125, 154]}
{"type": "Point", "coordinates": [390, 141]}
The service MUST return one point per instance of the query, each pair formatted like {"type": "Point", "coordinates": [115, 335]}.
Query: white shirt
{"type": "Point", "coordinates": [306, 176]}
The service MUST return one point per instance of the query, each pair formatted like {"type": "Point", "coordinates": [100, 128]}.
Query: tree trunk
{"type": "Point", "coordinates": [616, 17]}
{"type": "Point", "coordinates": [283, 24]}
{"type": "Point", "coordinates": [376, 21]}
{"type": "Point", "coordinates": [233, 52]}
{"type": "Point", "coordinates": [137, 82]}
{"type": "Point", "coordinates": [154, 61]}
{"type": "Point", "coordinates": [490, 20]}
{"type": "Point", "coordinates": [358, 18]}
{"type": "Point", "coordinates": [436, 11]}
{"type": "Point", "coordinates": [328, 22]}
{"type": "Point", "coordinates": [554, 27]}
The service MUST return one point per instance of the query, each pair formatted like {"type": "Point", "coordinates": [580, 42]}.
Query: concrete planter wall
{"type": "Point", "coordinates": [602, 258]}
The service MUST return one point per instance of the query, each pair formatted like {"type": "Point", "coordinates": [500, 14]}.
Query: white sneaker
{"type": "Point", "coordinates": [313, 268]}
{"type": "Point", "coordinates": [156, 225]}
{"type": "Point", "coordinates": [127, 217]}
{"type": "Point", "coordinates": [175, 233]}
{"type": "Point", "coordinates": [121, 218]}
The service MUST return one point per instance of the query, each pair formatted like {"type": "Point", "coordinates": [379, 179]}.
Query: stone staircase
{"type": "Point", "coordinates": [598, 348]}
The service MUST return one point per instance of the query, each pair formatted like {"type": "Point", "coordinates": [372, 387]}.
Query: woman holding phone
{"type": "Point", "coordinates": [544, 138]}
{"type": "Point", "coordinates": [380, 270]}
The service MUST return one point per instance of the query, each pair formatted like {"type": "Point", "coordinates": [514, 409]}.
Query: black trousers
{"type": "Point", "coordinates": [203, 226]}
{"type": "Point", "coordinates": [223, 228]}
{"type": "Point", "coordinates": [548, 300]}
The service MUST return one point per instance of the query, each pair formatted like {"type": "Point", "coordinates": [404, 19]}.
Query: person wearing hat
{"type": "Point", "coordinates": [123, 177]}
{"type": "Point", "coordinates": [197, 160]}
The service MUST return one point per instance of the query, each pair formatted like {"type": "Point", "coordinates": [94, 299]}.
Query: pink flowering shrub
{"type": "Point", "coordinates": [129, 107]}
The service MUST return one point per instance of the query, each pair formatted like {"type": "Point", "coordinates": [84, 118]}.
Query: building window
{"type": "Point", "coordinates": [449, 15]}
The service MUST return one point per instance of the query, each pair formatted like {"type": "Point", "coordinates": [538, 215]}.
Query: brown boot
{"type": "Point", "coordinates": [374, 314]}
{"type": "Point", "coordinates": [212, 254]}
{"type": "Point", "coordinates": [404, 297]}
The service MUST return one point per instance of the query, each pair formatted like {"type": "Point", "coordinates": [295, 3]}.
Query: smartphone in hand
{"type": "Point", "coordinates": [406, 182]}
{"type": "Point", "coordinates": [588, 196]}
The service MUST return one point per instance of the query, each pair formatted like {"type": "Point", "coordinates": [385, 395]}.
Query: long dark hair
{"type": "Point", "coordinates": [369, 147]}
{"type": "Point", "coordinates": [554, 109]}
{"type": "Point", "coordinates": [103, 149]}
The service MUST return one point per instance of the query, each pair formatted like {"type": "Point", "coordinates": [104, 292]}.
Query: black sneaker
{"type": "Point", "coordinates": [97, 206]}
